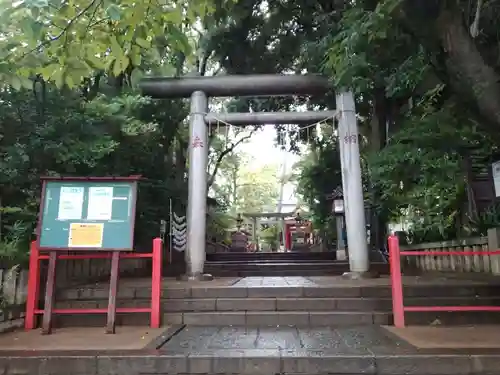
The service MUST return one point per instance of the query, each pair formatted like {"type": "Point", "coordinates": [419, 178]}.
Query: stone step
{"type": "Point", "coordinates": [279, 318]}
{"type": "Point", "coordinates": [288, 256]}
{"type": "Point", "coordinates": [275, 272]}
{"type": "Point", "coordinates": [386, 360]}
{"type": "Point", "coordinates": [283, 318]}
{"type": "Point", "coordinates": [144, 292]}
{"type": "Point", "coordinates": [236, 318]}
{"type": "Point", "coordinates": [283, 268]}
{"type": "Point", "coordinates": [314, 304]}
{"type": "Point", "coordinates": [251, 264]}
{"type": "Point", "coordinates": [282, 304]}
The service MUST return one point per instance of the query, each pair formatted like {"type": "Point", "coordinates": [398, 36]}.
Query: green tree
{"type": "Point", "coordinates": [270, 236]}
{"type": "Point", "coordinates": [245, 187]}
{"type": "Point", "coordinates": [68, 41]}
{"type": "Point", "coordinates": [320, 175]}
{"type": "Point", "coordinates": [60, 134]}
{"type": "Point", "coordinates": [421, 70]}
{"type": "Point", "coordinates": [256, 189]}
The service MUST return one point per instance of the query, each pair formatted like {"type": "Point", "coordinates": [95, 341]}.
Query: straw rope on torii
{"type": "Point", "coordinates": [220, 122]}
{"type": "Point", "coordinates": [305, 120]}
{"type": "Point", "coordinates": [215, 124]}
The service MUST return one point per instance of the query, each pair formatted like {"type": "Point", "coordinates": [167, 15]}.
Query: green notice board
{"type": "Point", "coordinates": [87, 214]}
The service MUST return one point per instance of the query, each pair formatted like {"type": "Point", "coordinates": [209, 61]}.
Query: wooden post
{"type": "Point", "coordinates": [49, 294]}
{"type": "Point", "coordinates": [113, 291]}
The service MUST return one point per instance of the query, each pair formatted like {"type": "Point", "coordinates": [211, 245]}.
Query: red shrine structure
{"type": "Point", "coordinates": [298, 234]}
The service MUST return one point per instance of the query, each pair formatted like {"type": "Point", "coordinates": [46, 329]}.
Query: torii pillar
{"type": "Point", "coordinates": [352, 187]}
{"type": "Point", "coordinates": [197, 187]}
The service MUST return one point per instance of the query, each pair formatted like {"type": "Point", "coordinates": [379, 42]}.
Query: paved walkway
{"type": "Point", "coordinates": [359, 340]}
{"type": "Point", "coordinates": [250, 351]}
{"type": "Point", "coordinates": [81, 339]}
{"type": "Point", "coordinates": [373, 350]}
{"type": "Point", "coordinates": [442, 337]}
{"type": "Point", "coordinates": [253, 282]}
{"type": "Point", "coordinates": [363, 340]}
{"type": "Point", "coordinates": [340, 282]}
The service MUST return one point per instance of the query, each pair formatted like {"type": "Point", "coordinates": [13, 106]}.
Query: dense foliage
{"type": "Point", "coordinates": [69, 41]}
{"type": "Point", "coordinates": [60, 134]}
{"type": "Point", "coordinates": [425, 74]}
{"type": "Point", "coordinates": [320, 174]}
{"type": "Point", "coordinates": [427, 114]}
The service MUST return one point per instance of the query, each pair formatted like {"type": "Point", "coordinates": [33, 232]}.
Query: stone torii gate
{"type": "Point", "coordinates": [199, 89]}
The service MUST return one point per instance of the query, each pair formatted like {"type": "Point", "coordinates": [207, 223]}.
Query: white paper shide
{"type": "Point", "coordinates": [100, 205]}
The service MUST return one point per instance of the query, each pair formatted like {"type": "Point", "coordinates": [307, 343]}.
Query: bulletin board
{"type": "Point", "coordinates": [96, 213]}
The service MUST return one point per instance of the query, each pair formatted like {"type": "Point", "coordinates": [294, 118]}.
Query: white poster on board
{"type": "Point", "coordinates": [100, 203]}
{"type": "Point", "coordinates": [495, 167]}
{"type": "Point", "coordinates": [70, 203]}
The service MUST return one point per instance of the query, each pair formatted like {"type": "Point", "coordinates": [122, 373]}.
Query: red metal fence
{"type": "Point", "coordinates": [398, 306]}
{"type": "Point", "coordinates": [34, 287]}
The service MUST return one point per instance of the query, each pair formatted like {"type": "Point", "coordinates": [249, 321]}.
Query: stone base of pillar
{"type": "Point", "coordinates": [341, 255]}
{"type": "Point", "coordinates": [196, 277]}
{"type": "Point", "coordinates": [351, 275]}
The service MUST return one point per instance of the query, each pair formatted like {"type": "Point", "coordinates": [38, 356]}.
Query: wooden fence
{"type": "Point", "coordinates": [14, 281]}
{"type": "Point", "coordinates": [453, 263]}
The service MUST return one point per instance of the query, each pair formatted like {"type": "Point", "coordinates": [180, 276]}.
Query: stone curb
{"type": "Point", "coordinates": [263, 362]}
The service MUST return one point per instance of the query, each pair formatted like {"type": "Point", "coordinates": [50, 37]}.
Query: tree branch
{"type": "Point", "coordinates": [227, 151]}
{"type": "Point", "coordinates": [217, 71]}
{"type": "Point", "coordinates": [474, 28]}
{"type": "Point", "coordinates": [203, 64]}
{"type": "Point", "coordinates": [64, 30]}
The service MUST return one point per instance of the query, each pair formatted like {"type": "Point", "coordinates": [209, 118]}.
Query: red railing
{"type": "Point", "coordinates": [34, 287]}
{"type": "Point", "coordinates": [398, 307]}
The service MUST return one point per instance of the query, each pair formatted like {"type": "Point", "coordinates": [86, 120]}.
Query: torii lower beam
{"type": "Point", "coordinates": [275, 118]}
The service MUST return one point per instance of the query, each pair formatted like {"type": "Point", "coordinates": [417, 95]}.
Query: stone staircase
{"type": "Point", "coordinates": [271, 306]}
{"type": "Point", "coordinates": [226, 264]}
{"type": "Point", "coordinates": [277, 325]}
{"type": "Point", "coordinates": [280, 264]}
{"type": "Point", "coordinates": [304, 304]}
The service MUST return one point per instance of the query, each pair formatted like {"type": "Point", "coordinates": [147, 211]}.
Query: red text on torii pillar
{"type": "Point", "coordinates": [197, 142]}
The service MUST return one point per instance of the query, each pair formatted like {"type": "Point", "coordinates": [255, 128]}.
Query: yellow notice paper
{"type": "Point", "coordinates": [85, 234]}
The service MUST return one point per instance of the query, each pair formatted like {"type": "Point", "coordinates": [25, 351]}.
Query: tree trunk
{"type": "Point", "coordinates": [469, 74]}
{"type": "Point", "coordinates": [181, 161]}
{"type": "Point", "coordinates": [234, 186]}
{"type": "Point", "coordinates": [1, 217]}
{"type": "Point", "coordinates": [378, 225]}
